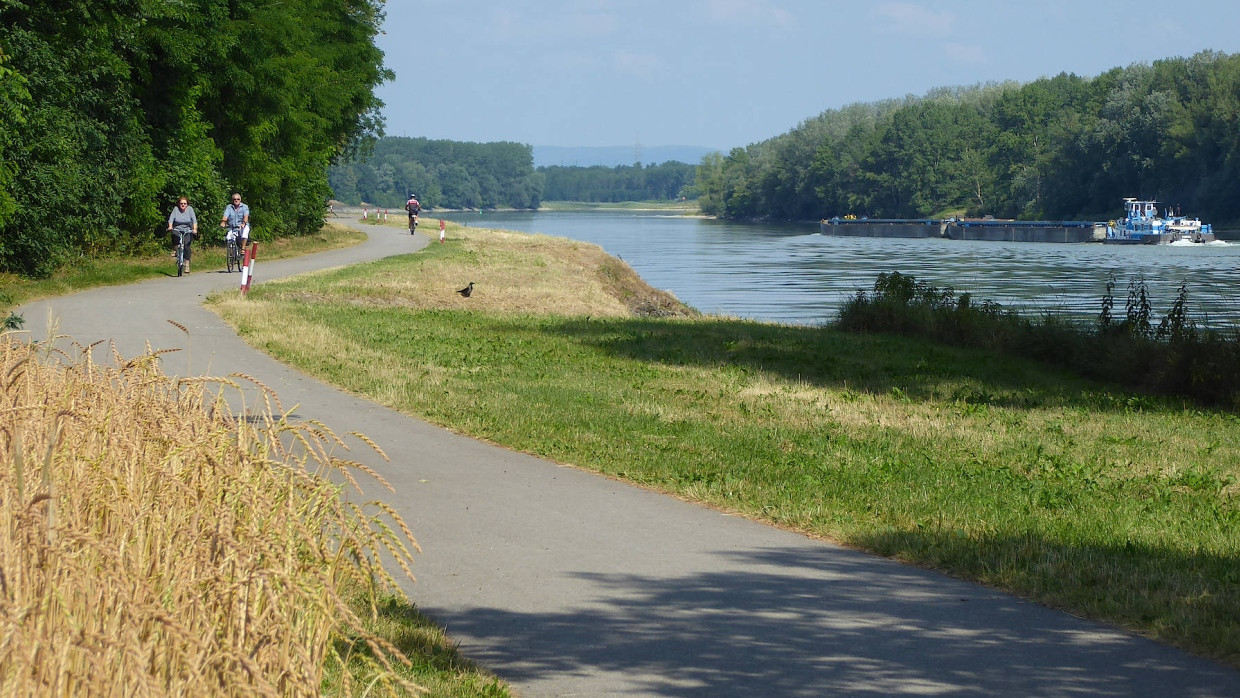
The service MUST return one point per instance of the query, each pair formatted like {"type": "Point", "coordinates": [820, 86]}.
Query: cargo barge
{"type": "Point", "coordinates": [967, 229]}
{"type": "Point", "coordinates": [1141, 225]}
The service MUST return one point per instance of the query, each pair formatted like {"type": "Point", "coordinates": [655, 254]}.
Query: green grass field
{"type": "Point", "coordinates": [1106, 503]}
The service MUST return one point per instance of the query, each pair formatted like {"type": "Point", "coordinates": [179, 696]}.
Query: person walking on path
{"type": "Point", "coordinates": [237, 217]}
{"type": "Point", "coordinates": [183, 223]}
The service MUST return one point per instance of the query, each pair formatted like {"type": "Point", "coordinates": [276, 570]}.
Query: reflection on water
{"type": "Point", "coordinates": [790, 273]}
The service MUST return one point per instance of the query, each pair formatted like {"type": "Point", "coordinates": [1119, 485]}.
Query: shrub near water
{"type": "Point", "coordinates": [153, 544]}
{"type": "Point", "coordinates": [1167, 356]}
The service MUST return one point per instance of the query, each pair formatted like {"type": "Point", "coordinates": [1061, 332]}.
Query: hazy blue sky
{"type": "Point", "coordinates": [727, 73]}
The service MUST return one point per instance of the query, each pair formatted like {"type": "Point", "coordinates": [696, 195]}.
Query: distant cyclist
{"type": "Point", "coordinates": [237, 219]}
{"type": "Point", "coordinates": [183, 226]}
{"type": "Point", "coordinates": [414, 208]}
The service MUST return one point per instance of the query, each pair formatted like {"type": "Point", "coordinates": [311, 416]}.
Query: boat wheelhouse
{"type": "Point", "coordinates": [1142, 225]}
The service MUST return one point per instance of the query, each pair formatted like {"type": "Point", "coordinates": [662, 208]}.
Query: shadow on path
{"type": "Point", "coordinates": [798, 622]}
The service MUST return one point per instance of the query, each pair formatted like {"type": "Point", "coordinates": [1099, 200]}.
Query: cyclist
{"type": "Point", "coordinates": [183, 226]}
{"type": "Point", "coordinates": [413, 207]}
{"type": "Point", "coordinates": [237, 219]}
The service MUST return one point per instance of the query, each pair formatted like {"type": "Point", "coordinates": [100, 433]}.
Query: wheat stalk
{"type": "Point", "coordinates": [171, 546]}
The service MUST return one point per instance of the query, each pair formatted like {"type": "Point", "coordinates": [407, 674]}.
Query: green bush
{"type": "Point", "coordinates": [1168, 356]}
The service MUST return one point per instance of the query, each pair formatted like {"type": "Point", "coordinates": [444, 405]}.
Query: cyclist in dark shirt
{"type": "Point", "coordinates": [414, 208]}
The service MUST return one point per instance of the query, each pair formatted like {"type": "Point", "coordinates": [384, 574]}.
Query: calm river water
{"type": "Point", "coordinates": [791, 274]}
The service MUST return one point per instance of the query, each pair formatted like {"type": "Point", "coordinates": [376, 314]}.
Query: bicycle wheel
{"type": "Point", "coordinates": [180, 260]}
{"type": "Point", "coordinates": [234, 260]}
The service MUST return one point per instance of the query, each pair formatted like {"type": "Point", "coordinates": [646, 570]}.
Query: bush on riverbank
{"type": "Point", "coordinates": [1167, 356]}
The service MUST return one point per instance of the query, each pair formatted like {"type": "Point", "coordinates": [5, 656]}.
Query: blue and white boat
{"type": "Point", "coordinates": [1144, 226]}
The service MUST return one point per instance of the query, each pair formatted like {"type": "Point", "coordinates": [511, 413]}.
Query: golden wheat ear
{"type": "Point", "coordinates": [195, 550]}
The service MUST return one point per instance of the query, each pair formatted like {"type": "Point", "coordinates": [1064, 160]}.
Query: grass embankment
{"type": "Point", "coordinates": [1108, 503]}
{"type": "Point", "coordinates": [111, 271]}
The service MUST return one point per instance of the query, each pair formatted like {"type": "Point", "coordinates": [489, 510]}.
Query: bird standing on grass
{"type": "Point", "coordinates": [467, 290]}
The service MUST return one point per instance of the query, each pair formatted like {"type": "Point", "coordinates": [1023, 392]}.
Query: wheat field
{"type": "Point", "coordinates": [154, 543]}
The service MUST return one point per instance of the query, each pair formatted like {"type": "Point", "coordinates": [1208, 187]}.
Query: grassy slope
{"type": "Point", "coordinates": [1105, 503]}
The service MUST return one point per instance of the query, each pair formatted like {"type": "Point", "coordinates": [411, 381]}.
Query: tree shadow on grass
{"type": "Point", "coordinates": [867, 363]}
{"type": "Point", "coordinates": [818, 621]}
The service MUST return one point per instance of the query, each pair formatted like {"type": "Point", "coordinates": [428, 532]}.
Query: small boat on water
{"type": "Point", "coordinates": [1143, 226]}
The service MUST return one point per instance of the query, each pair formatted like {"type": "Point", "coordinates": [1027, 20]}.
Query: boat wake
{"type": "Point", "coordinates": [1190, 243]}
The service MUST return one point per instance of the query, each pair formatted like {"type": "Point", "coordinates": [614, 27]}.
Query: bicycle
{"type": "Point", "coordinates": [413, 223]}
{"type": "Point", "coordinates": [184, 236]}
{"type": "Point", "coordinates": [232, 251]}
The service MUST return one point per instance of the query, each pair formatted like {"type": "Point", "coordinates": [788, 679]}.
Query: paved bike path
{"type": "Point", "coordinates": [570, 584]}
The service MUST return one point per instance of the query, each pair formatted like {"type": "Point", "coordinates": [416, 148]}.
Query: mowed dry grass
{"type": "Point", "coordinates": [513, 273]}
{"type": "Point", "coordinates": [153, 544]}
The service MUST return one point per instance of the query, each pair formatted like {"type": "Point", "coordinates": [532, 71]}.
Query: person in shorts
{"type": "Point", "coordinates": [414, 208]}
{"type": "Point", "coordinates": [237, 219]}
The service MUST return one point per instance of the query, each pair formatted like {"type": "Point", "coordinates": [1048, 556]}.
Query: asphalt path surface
{"type": "Point", "coordinates": [566, 583]}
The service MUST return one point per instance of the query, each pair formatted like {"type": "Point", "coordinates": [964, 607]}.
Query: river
{"type": "Point", "coordinates": [791, 274]}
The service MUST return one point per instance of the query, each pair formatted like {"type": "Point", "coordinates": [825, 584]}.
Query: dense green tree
{"type": "Point", "coordinates": [710, 184]}
{"type": "Point", "coordinates": [14, 106]}
{"type": "Point", "coordinates": [85, 166]}
{"type": "Point", "coordinates": [1031, 123]}
{"type": "Point", "coordinates": [1201, 153]}
{"type": "Point", "coordinates": [666, 182]}
{"type": "Point", "coordinates": [444, 174]}
{"type": "Point", "coordinates": [1062, 147]}
{"type": "Point", "coordinates": [111, 109]}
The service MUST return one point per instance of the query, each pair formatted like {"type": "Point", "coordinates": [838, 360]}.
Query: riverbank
{"type": "Point", "coordinates": [1077, 494]}
{"type": "Point", "coordinates": [688, 208]}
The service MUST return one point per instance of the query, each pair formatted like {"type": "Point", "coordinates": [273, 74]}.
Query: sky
{"type": "Point", "coordinates": [729, 73]}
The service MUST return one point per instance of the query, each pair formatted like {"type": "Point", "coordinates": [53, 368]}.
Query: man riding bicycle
{"type": "Point", "coordinates": [237, 219]}
{"type": "Point", "coordinates": [183, 226]}
{"type": "Point", "coordinates": [413, 207]}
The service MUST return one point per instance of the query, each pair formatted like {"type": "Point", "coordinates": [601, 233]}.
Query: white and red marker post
{"type": "Point", "coordinates": [441, 231]}
{"type": "Point", "coordinates": [247, 267]}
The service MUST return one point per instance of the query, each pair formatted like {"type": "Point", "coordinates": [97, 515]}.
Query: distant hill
{"type": "Point", "coordinates": [612, 156]}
